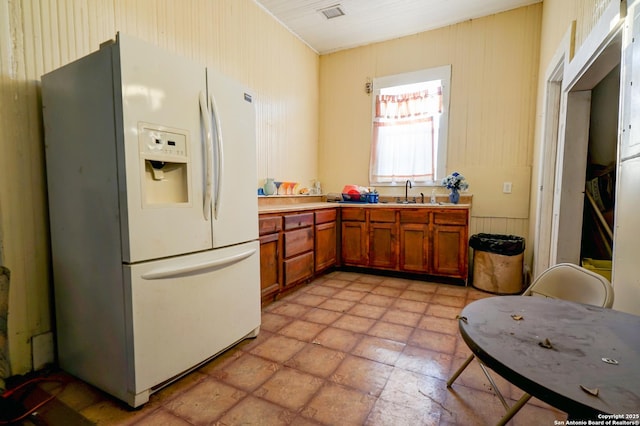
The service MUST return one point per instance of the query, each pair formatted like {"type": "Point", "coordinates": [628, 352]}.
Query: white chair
{"type": "Point", "coordinates": [562, 281]}
{"type": "Point", "coordinates": [571, 282]}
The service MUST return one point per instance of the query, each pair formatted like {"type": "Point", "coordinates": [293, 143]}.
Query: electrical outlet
{"type": "Point", "coordinates": [506, 187]}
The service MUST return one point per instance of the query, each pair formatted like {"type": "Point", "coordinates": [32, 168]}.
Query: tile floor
{"type": "Point", "coordinates": [347, 349]}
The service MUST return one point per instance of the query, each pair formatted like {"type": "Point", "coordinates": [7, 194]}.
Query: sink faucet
{"type": "Point", "coordinates": [407, 185]}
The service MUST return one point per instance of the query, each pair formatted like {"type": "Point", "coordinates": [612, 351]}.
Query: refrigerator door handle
{"type": "Point", "coordinates": [204, 111]}
{"type": "Point", "coordinates": [196, 268]}
{"type": "Point", "coordinates": [219, 156]}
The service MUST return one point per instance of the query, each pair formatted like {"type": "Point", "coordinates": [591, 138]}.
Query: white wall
{"type": "Point", "coordinates": [492, 111]}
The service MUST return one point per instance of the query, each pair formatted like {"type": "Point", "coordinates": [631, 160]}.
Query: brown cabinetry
{"type": "Point", "coordinates": [326, 239]}
{"type": "Point", "coordinates": [415, 240]}
{"type": "Point", "coordinates": [298, 248]}
{"type": "Point", "coordinates": [270, 251]}
{"type": "Point", "coordinates": [383, 244]}
{"type": "Point", "coordinates": [355, 241]}
{"type": "Point", "coordinates": [295, 246]}
{"type": "Point", "coordinates": [418, 240]}
{"type": "Point", "coordinates": [369, 237]}
{"type": "Point", "coordinates": [450, 236]}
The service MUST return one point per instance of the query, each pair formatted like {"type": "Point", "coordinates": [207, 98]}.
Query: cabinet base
{"type": "Point", "coordinates": [408, 275]}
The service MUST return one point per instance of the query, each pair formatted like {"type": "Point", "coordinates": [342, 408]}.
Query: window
{"type": "Point", "coordinates": [410, 122]}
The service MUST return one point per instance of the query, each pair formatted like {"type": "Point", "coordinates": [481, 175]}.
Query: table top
{"type": "Point", "coordinates": [557, 351]}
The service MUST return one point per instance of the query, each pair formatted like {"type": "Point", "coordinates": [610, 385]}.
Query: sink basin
{"type": "Point", "coordinates": [399, 203]}
{"type": "Point", "coordinates": [418, 204]}
{"type": "Point", "coordinates": [402, 203]}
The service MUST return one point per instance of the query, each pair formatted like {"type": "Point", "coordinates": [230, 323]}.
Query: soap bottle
{"type": "Point", "coordinates": [433, 196]}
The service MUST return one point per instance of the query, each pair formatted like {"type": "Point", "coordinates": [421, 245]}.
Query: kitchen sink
{"type": "Point", "coordinates": [417, 204]}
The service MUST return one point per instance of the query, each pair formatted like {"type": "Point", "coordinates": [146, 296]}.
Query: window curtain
{"type": "Point", "coordinates": [405, 133]}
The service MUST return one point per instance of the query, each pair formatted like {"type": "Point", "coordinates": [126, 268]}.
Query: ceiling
{"type": "Point", "coordinates": [370, 21]}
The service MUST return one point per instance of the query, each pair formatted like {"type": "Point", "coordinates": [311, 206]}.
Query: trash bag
{"type": "Point", "coordinates": [506, 245]}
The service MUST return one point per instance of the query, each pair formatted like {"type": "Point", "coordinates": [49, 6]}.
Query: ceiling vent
{"type": "Point", "coordinates": [332, 11]}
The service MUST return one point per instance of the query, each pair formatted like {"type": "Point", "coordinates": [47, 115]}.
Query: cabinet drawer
{"type": "Point", "coordinates": [414, 216]}
{"type": "Point", "coordinates": [352, 214]}
{"type": "Point", "coordinates": [298, 268]}
{"type": "Point", "coordinates": [324, 216]}
{"type": "Point", "coordinates": [382, 215]}
{"type": "Point", "coordinates": [294, 221]}
{"type": "Point", "coordinates": [450, 217]}
{"type": "Point", "coordinates": [269, 224]}
{"type": "Point", "coordinates": [298, 241]}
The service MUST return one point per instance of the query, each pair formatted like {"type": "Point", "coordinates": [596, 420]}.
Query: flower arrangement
{"type": "Point", "coordinates": [455, 181]}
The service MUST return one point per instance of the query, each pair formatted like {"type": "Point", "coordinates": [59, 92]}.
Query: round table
{"type": "Point", "coordinates": [560, 352]}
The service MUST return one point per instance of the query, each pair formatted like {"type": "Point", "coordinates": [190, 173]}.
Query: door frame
{"type": "Point", "coordinates": [600, 52]}
{"type": "Point", "coordinates": [554, 117]}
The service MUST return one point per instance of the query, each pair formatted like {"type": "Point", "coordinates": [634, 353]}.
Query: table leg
{"type": "Point", "coordinates": [495, 387]}
{"type": "Point", "coordinates": [460, 370]}
{"type": "Point", "coordinates": [513, 410]}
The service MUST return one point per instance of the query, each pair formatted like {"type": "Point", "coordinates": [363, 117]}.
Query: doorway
{"type": "Point", "coordinates": [553, 125]}
{"type": "Point", "coordinates": [599, 56]}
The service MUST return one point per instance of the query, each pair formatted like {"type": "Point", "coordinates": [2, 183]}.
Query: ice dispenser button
{"type": "Point", "coordinates": [165, 163]}
{"type": "Point", "coordinates": [162, 143]}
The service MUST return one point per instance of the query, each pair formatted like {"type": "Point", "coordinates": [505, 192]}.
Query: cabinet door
{"type": "Point", "coordinates": [326, 253]}
{"type": "Point", "coordinates": [270, 249]}
{"type": "Point", "coordinates": [383, 245]}
{"type": "Point", "coordinates": [354, 244]}
{"type": "Point", "coordinates": [414, 247]}
{"type": "Point", "coordinates": [450, 251]}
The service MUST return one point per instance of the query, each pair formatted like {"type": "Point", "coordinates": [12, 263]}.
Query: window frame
{"type": "Point", "coordinates": [442, 73]}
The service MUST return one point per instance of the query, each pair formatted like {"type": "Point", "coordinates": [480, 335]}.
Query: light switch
{"type": "Point", "coordinates": [506, 187]}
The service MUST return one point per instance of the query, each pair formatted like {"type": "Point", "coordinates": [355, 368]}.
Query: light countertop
{"type": "Point", "coordinates": [278, 208]}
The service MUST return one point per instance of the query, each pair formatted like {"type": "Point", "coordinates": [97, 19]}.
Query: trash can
{"type": "Point", "coordinates": [497, 263]}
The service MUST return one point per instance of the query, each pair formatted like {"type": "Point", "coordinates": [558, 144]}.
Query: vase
{"type": "Point", "coordinates": [270, 187]}
{"type": "Point", "coordinates": [454, 196]}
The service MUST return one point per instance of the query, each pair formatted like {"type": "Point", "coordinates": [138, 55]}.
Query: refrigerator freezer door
{"type": "Point", "coordinates": [162, 148]}
{"type": "Point", "coordinates": [625, 277]}
{"type": "Point", "coordinates": [187, 309]}
{"type": "Point", "coordinates": [235, 202]}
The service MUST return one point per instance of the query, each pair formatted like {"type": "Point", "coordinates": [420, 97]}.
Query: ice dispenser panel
{"type": "Point", "coordinates": [164, 158]}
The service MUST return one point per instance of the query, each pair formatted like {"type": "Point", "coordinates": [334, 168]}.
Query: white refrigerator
{"type": "Point", "coordinates": [626, 268]}
{"type": "Point", "coordinates": [151, 174]}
